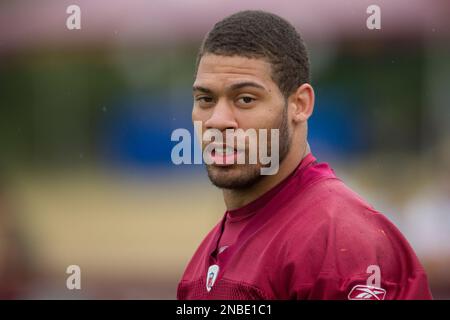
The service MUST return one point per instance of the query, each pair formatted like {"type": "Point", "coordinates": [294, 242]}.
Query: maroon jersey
{"type": "Point", "coordinates": [310, 237]}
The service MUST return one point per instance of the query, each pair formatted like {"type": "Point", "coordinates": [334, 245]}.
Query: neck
{"type": "Point", "coordinates": [238, 198]}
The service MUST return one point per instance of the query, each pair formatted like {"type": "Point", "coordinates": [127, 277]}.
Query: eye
{"type": "Point", "coordinates": [246, 100]}
{"type": "Point", "coordinates": [204, 99]}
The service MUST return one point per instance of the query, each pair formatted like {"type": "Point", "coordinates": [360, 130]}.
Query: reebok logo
{"type": "Point", "coordinates": [361, 292]}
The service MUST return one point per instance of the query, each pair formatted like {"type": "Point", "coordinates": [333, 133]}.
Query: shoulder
{"type": "Point", "coordinates": [339, 241]}
{"type": "Point", "coordinates": [345, 234]}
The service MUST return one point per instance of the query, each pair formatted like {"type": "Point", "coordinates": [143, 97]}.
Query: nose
{"type": "Point", "coordinates": [222, 117]}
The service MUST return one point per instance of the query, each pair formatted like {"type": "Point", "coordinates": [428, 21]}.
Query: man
{"type": "Point", "coordinates": [299, 233]}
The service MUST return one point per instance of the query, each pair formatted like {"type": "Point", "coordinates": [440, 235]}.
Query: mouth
{"type": "Point", "coordinates": [223, 155]}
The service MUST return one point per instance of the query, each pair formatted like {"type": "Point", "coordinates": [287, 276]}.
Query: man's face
{"type": "Point", "coordinates": [238, 93]}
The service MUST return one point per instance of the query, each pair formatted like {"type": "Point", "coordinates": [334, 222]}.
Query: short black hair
{"type": "Point", "coordinates": [259, 34]}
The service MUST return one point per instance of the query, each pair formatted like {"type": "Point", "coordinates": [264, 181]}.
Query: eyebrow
{"type": "Point", "coordinates": [201, 89]}
{"type": "Point", "coordinates": [235, 86]}
{"type": "Point", "coordinates": [244, 84]}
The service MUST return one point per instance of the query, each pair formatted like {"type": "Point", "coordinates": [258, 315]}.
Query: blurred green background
{"type": "Point", "coordinates": [86, 117]}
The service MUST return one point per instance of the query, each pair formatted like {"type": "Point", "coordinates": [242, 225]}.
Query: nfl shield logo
{"type": "Point", "coordinates": [211, 276]}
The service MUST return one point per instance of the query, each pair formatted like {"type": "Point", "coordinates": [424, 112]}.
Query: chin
{"type": "Point", "coordinates": [234, 176]}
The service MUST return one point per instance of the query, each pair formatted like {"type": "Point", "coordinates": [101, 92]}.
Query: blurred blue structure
{"type": "Point", "coordinates": [338, 127]}
{"type": "Point", "coordinates": [138, 133]}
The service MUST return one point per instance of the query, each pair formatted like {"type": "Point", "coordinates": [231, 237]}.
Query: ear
{"type": "Point", "coordinates": [301, 103]}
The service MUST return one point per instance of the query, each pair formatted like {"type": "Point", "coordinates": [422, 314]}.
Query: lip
{"type": "Point", "coordinates": [224, 160]}
{"type": "Point", "coordinates": [224, 146]}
